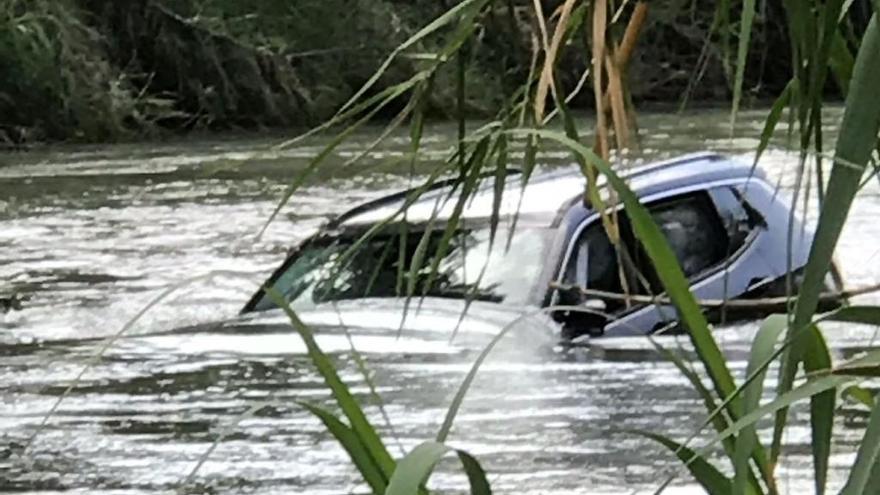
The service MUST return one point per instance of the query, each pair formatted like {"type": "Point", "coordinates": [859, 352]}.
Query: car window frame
{"type": "Point", "coordinates": [760, 223]}
{"type": "Point", "coordinates": [329, 237]}
{"type": "Point", "coordinates": [552, 296]}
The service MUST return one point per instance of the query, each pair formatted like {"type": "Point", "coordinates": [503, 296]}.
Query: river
{"type": "Point", "coordinates": [91, 234]}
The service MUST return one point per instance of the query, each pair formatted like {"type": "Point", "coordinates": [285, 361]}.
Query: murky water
{"type": "Point", "coordinates": [92, 234]}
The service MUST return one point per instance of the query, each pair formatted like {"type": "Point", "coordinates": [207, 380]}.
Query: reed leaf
{"type": "Point", "coordinates": [461, 92]}
{"type": "Point", "coordinates": [862, 314]}
{"type": "Point", "coordinates": [745, 36]}
{"type": "Point", "coordinates": [465, 10]}
{"type": "Point", "coordinates": [782, 101]}
{"type": "Point", "coordinates": [416, 467]}
{"type": "Point", "coordinates": [719, 421]}
{"type": "Point", "coordinates": [471, 181]}
{"type": "Point", "coordinates": [388, 95]}
{"type": "Point", "coordinates": [458, 398]}
{"type": "Point", "coordinates": [817, 359]}
{"type": "Point", "coordinates": [857, 367]}
{"type": "Point", "coordinates": [707, 475]}
{"type": "Point", "coordinates": [763, 347]}
{"type": "Point", "coordinates": [108, 342]}
{"type": "Point", "coordinates": [864, 366]}
{"type": "Point", "coordinates": [352, 112]}
{"type": "Point", "coordinates": [858, 137]}
{"type": "Point", "coordinates": [861, 395]}
{"type": "Point", "coordinates": [360, 425]}
{"type": "Point", "coordinates": [502, 160]}
{"type": "Point", "coordinates": [351, 442]}
{"type": "Point", "coordinates": [867, 465]}
{"type": "Point", "coordinates": [783, 401]}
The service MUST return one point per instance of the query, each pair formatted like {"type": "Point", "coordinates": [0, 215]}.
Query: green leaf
{"type": "Point", "coordinates": [466, 9]}
{"type": "Point", "coordinates": [865, 371]}
{"type": "Point", "coordinates": [349, 441]}
{"type": "Point", "coordinates": [866, 366]}
{"type": "Point", "coordinates": [722, 20]}
{"type": "Point", "coordinates": [109, 341]}
{"type": "Point", "coordinates": [772, 120]}
{"type": "Point", "coordinates": [842, 61]}
{"type": "Point", "coordinates": [867, 315]}
{"type": "Point", "coordinates": [388, 95]}
{"type": "Point", "coordinates": [822, 405]}
{"type": "Point", "coordinates": [745, 35]}
{"type": "Point", "coordinates": [461, 90]}
{"type": "Point", "coordinates": [411, 197]}
{"type": "Point", "coordinates": [471, 181]}
{"type": "Point", "coordinates": [719, 421]}
{"type": "Point", "coordinates": [826, 30]}
{"type": "Point", "coordinates": [762, 352]}
{"type": "Point", "coordinates": [805, 391]}
{"type": "Point", "coordinates": [475, 473]}
{"type": "Point", "coordinates": [458, 399]}
{"type": "Point", "coordinates": [498, 189]}
{"type": "Point", "coordinates": [349, 405]}
{"type": "Point", "coordinates": [857, 314]}
{"type": "Point", "coordinates": [858, 136]}
{"type": "Point", "coordinates": [415, 468]}
{"type": "Point", "coordinates": [867, 460]}
{"type": "Point", "coordinates": [354, 110]}
{"type": "Point", "coordinates": [861, 395]}
{"type": "Point", "coordinates": [874, 480]}
{"type": "Point", "coordinates": [705, 473]}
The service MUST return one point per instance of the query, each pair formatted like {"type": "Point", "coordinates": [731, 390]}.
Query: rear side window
{"type": "Point", "coordinates": [594, 262]}
{"type": "Point", "coordinates": [739, 218]}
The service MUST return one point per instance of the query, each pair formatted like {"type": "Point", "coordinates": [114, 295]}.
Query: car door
{"type": "Point", "coordinates": [712, 233]}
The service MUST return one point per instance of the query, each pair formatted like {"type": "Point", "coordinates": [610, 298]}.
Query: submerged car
{"type": "Point", "coordinates": [724, 221]}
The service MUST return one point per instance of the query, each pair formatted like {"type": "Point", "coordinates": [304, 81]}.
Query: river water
{"type": "Point", "coordinates": [92, 234]}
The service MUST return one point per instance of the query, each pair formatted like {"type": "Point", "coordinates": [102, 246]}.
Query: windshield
{"type": "Point", "coordinates": [472, 267]}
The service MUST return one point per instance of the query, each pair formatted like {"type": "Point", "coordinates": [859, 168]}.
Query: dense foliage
{"type": "Point", "coordinates": [102, 70]}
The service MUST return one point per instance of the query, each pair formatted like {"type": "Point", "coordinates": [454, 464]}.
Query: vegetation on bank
{"type": "Point", "coordinates": [101, 70]}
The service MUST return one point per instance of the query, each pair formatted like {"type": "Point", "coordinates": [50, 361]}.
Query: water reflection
{"type": "Point", "coordinates": [92, 234]}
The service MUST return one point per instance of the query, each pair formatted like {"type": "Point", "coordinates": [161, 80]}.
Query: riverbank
{"type": "Point", "coordinates": [96, 71]}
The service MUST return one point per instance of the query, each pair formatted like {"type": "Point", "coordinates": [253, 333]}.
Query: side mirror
{"type": "Point", "coordinates": [574, 297]}
{"type": "Point", "coordinates": [590, 320]}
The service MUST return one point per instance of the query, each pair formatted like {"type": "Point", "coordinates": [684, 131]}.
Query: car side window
{"type": "Point", "coordinates": [694, 231]}
{"type": "Point", "coordinates": [691, 225]}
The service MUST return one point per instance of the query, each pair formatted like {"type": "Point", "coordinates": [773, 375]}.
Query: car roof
{"type": "Point", "coordinates": [548, 194]}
